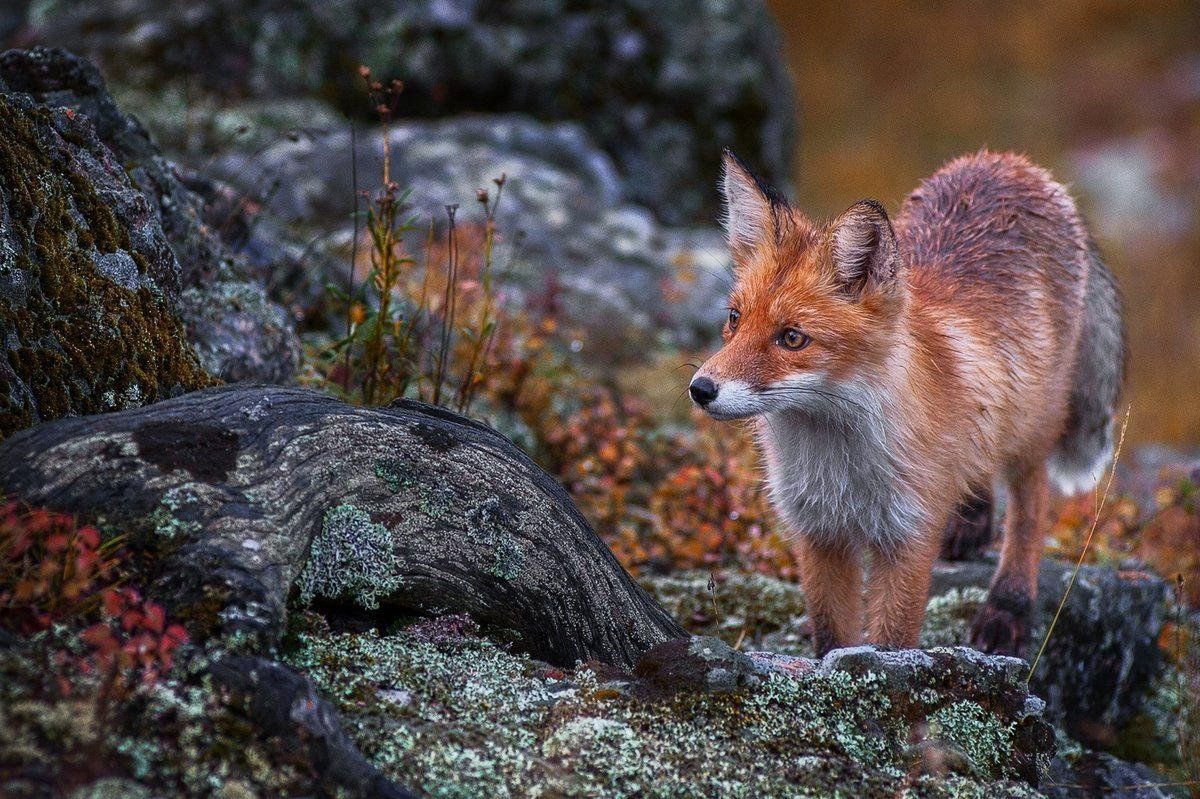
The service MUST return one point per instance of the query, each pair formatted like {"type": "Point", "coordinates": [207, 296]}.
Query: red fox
{"type": "Point", "coordinates": [896, 369]}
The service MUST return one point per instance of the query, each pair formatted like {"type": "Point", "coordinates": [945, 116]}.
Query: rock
{"type": "Point", "coordinates": [1096, 775]}
{"type": "Point", "coordinates": [151, 240]}
{"type": "Point", "coordinates": [661, 87]}
{"type": "Point", "coordinates": [568, 237]}
{"type": "Point", "coordinates": [234, 494]}
{"type": "Point", "coordinates": [698, 664]}
{"type": "Point", "coordinates": [1096, 672]}
{"type": "Point", "coordinates": [89, 285]}
{"type": "Point", "coordinates": [1103, 653]}
{"type": "Point", "coordinates": [479, 721]}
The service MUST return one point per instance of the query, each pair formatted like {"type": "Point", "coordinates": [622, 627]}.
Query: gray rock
{"type": "Point", "coordinates": [568, 238]}
{"type": "Point", "coordinates": [661, 86]}
{"type": "Point", "coordinates": [171, 252]}
{"type": "Point", "coordinates": [699, 663]}
{"type": "Point", "coordinates": [1103, 653]}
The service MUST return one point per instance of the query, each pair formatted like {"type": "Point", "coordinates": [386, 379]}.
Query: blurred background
{"type": "Point", "coordinates": [1105, 94]}
{"type": "Point", "coordinates": [611, 119]}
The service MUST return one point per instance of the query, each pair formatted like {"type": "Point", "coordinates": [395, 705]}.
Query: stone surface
{"type": "Point", "coordinates": [460, 716]}
{"type": "Point", "coordinates": [1103, 652]}
{"type": "Point", "coordinates": [89, 285]}
{"type": "Point", "coordinates": [568, 238]}
{"type": "Point", "coordinates": [661, 86]}
{"type": "Point", "coordinates": [1095, 674]}
{"type": "Point", "coordinates": [145, 234]}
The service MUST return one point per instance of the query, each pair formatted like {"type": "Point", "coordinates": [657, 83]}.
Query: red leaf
{"type": "Point", "coordinates": [100, 637]}
{"type": "Point", "coordinates": [176, 634]}
{"type": "Point", "coordinates": [113, 602]}
{"type": "Point", "coordinates": [89, 536]}
{"type": "Point", "coordinates": [155, 617]}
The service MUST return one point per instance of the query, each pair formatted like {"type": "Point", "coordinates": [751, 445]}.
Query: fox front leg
{"type": "Point", "coordinates": [831, 577]}
{"type": "Point", "coordinates": [898, 590]}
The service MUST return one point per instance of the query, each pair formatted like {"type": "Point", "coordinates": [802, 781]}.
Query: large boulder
{"type": "Point", "coordinates": [110, 271]}
{"type": "Point", "coordinates": [661, 86]}
{"type": "Point", "coordinates": [89, 285]}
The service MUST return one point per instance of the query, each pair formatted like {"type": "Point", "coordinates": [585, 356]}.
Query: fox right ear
{"type": "Point", "coordinates": [750, 206]}
{"type": "Point", "coordinates": [863, 246]}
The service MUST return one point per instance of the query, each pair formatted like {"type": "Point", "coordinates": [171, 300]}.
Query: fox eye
{"type": "Point", "coordinates": [793, 339]}
{"type": "Point", "coordinates": [734, 316]}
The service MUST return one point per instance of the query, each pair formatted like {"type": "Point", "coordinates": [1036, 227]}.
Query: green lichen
{"type": "Point", "coordinates": [490, 527]}
{"type": "Point", "coordinates": [165, 516]}
{"type": "Point", "coordinates": [948, 616]}
{"type": "Point", "coordinates": [394, 473]}
{"type": "Point", "coordinates": [979, 733]}
{"type": "Point", "coordinates": [80, 342]}
{"type": "Point", "coordinates": [464, 718]}
{"type": "Point", "coordinates": [351, 558]}
{"type": "Point", "coordinates": [738, 606]}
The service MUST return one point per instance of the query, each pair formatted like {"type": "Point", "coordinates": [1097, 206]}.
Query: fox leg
{"type": "Point", "coordinates": [898, 591]}
{"type": "Point", "coordinates": [831, 577]}
{"type": "Point", "coordinates": [1002, 625]}
{"type": "Point", "coordinates": [969, 530]}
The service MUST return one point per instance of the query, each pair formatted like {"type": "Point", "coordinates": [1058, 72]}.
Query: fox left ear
{"type": "Point", "coordinates": [751, 207]}
{"type": "Point", "coordinates": [863, 247]}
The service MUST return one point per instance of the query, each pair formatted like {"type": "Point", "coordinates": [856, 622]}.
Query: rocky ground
{"type": "Point", "coordinates": [398, 601]}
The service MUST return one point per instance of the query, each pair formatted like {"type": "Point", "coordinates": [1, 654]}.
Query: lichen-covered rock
{"type": "Point", "coordinates": [661, 86]}
{"type": "Point", "coordinates": [461, 717]}
{"type": "Point", "coordinates": [104, 249]}
{"type": "Point", "coordinates": [414, 508]}
{"type": "Point", "coordinates": [1103, 652]}
{"type": "Point", "coordinates": [1096, 670]}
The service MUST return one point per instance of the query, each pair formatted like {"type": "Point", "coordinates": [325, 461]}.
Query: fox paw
{"type": "Point", "coordinates": [1002, 625]}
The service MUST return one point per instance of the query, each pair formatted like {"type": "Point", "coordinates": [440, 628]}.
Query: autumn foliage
{"type": "Point", "coordinates": [56, 573]}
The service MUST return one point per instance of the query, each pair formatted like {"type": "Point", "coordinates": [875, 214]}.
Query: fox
{"type": "Point", "coordinates": [897, 371]}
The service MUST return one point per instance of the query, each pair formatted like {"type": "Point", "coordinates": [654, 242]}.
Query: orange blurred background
{"type": "Point", "coordinates": [1105, 94]}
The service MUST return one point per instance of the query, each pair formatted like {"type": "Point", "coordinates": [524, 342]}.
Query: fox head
{"type": "Point", "coordinates": [813, 307]}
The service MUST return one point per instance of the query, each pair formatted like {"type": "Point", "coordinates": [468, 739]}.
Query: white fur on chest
{"type": "Point", "coordinates": [833, 474]}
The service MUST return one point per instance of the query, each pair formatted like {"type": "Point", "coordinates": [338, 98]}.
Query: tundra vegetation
{"type": "Point", "coordinates": [264, 591]}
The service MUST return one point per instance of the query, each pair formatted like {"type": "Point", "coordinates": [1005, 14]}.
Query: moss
{"type": "Point", "coordinates": [351, 558]}
{"type": "Point", "coordinates": [80, 342]}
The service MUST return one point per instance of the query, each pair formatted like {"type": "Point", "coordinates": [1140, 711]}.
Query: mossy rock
{"type": "Point", "coordinates": [86, 293]}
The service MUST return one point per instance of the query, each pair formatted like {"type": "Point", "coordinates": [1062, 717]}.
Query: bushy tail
{"type": "Point", "coordinates": [1086, 446]}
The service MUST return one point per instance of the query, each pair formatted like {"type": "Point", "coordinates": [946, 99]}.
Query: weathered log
{"type": "Point", "coordinates": [411, 507]}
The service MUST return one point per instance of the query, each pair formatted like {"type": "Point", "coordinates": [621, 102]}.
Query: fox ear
{"type": "Point", "coordinates": [863, 248]}
{"type": "Point", "coordinates": [751, 207]}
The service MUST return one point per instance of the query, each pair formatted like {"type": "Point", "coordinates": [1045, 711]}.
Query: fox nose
{"type": "Point", "coordinates": [703, 391]}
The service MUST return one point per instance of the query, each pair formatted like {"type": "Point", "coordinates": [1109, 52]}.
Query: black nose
{"type": "Point", "coordinates": [703, 391]}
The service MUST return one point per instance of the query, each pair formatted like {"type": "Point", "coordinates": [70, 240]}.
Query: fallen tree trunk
{"type": "Point", "coordinates": [410, 507]}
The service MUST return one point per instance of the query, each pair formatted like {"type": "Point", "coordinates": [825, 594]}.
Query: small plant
{"type": "Point", "coordinates": [412, 330]}
{"type": "Point", "coordinates": [57, 573]}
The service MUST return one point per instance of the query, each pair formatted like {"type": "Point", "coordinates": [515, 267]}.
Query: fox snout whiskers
{"type": "Point", "coordinates": [727, 399]}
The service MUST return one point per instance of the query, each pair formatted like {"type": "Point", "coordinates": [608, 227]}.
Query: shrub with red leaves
{"type": "Point", "coordinates": [56, 572]}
